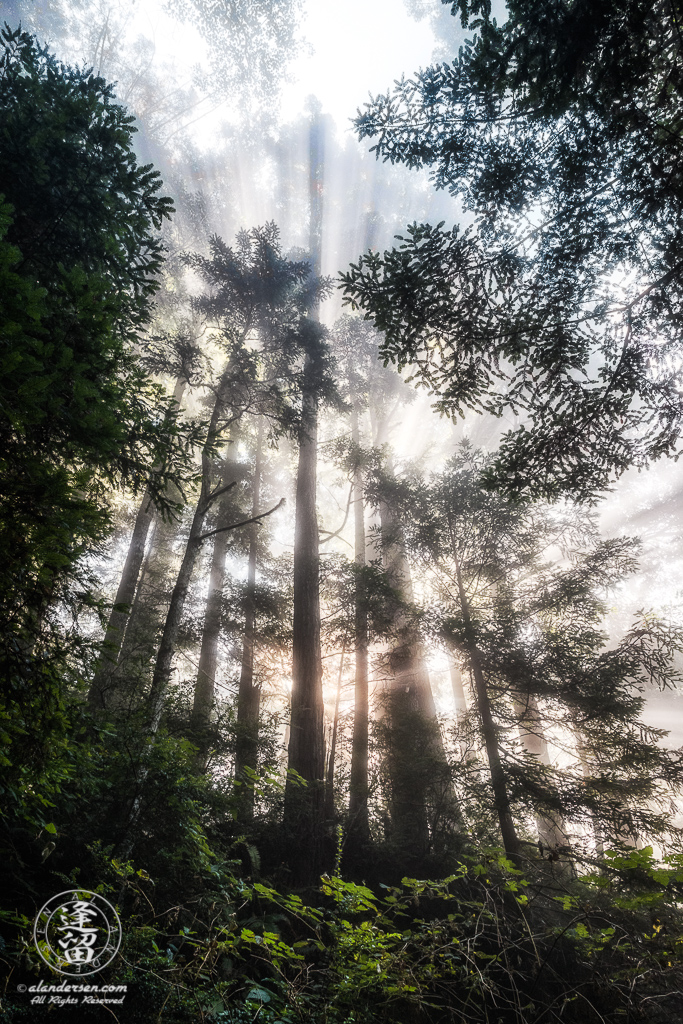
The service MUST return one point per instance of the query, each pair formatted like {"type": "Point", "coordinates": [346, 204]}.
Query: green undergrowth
{"type": "Point", "coordinates": [484, 944]}
{"type": "Point", "coordinates": [206, 937]}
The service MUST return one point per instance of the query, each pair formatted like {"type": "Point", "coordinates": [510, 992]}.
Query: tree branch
{"type": "Point", "coordinates": [337, 532]}
{"type": "Point", "coordinates": [244, 522]}
{"type": "Point", "coordinates": [217, 493]}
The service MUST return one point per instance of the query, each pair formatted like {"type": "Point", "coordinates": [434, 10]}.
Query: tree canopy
{"type": "Point", "coordinates": [558, 296]}
{"type": "Point", "coordinates": [81, 256]}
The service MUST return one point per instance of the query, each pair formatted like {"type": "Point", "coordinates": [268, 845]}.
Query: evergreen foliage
{"type": "Point", "coordinates": [558, 296]}
{"type": "Point", "coordinates": [536, 632]}
{"type": "Point", "coordinates": [80, 416]}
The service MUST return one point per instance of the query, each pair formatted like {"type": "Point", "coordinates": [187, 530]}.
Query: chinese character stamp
{"type": "Point", "coordinates": [77, 932]}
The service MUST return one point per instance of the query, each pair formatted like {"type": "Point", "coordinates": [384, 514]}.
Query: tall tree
{"type": "Point", "coordinates": [304, 807]}
{"type": "Point", "coordinates": [249, 693]}
{"type": "Point", "coordinates": [332, 752]}
{"type": "Point", "coordinates": [422, 800]}
{"type": "Point", "coordinates": [255, 298]}
{"type": "Point", "coordinates": [355, 349]}
{"type": "Point", "coordinates": [358, 785]}
{"type": "Point", "coordinates": [420, 791]}
{"type": "Point", "coordinates": [255, 294]}
{"type": "Point", "coordinates": [205, 685]}
{"type": "Point", "coordinates": [178, 355]}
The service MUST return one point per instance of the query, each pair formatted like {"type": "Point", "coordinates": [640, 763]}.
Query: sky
{"type": "Point", "coordinates": [350, 49]}
{"type": "Point", "coordinates": [356, 47]}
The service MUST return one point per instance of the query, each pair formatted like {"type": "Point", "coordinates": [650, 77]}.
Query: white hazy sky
{"type": "Point", "coordinates": [358, 46]}
{"type": "Point", "coordinates": [353, 48]}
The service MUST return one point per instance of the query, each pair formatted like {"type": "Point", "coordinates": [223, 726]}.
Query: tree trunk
{"type": "Point", "coordinates": [489, 730]}
{"type": "Point", "coordinates": [205, 686]}
{"type": "Point", "coordinates": [358, 787]}
{"type": "Point", "coordinates": [421, 783]}
{"type": "Point", "coordinates": [304, 806]}
{"type": "Point", "coordinates": [466, 742]}
{"type": "Point", "coordinates": [329, 783]}
{"type": "Point", "coordinates": [459, 698]}
{"type": "Point", "coordinates": [167, 646]}
{"type": "Point", "coordinates": [303, 812]}
{"type": "Point", "coordinates": [551, 834]}
{"type": "Point", "coordinates": [249, 695]}
{"type": "Point", "coordinates": [149, 607]}
{"type": "Point", "coordinates": [403, 702]}
{"type": "Point", "coordinates": [104, 692]}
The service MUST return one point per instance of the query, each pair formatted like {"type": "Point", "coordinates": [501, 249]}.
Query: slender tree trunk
{"type": "Point", "coordinates": [405, 712]}
{"type": "Point", "coordinates": [459, 698]}
{"type": "Point", "coordinates": [304, 807]}
{"type": "Point", "coordinates": [466, 741]}
{"type": "Point", "coordinates": [205, 686]}
{"type": "Point", "coordinates": [598, 831]}
{"type": "Point", "coordinates": [249, 695]}
{"type": "Point", "coordinates": [167, 646]}
{"type": "Point", "coordinates": [103, 691]}
{"type": "Point", "coordinates": [329, 784]}
{"type": "Point", "coordinates": [489, 729]}
{"type": "Point", "coordinates": [100, 696]}
{"type": "Point", "coordinates": [421, 782]}
{"type": "Point", "coordinates": [358, 788]}
{"type": "Point", "coordinates": [150, 603]}
{"type": "Point", "coordinates": [551, 834]}
{"type": "Point", "coordinates": [303, 812]}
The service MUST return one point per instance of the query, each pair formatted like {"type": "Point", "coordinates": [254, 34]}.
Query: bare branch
{"type": "Point", "coordinates": [217, 493]}
{"type": "Point", "coordinates": [337, 532]}
{"type": "Point", "coordinates": [243, 522]}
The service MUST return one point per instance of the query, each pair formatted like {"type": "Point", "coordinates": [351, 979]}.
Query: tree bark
{"type": "Point", "coordinates": [551, 834]}
{"type": "Point", "coordinates": [459, 698]}
{"type": "Point", "coordinates": [167, 646]}
{"type": "Point", "coordinates": [329, 782]}
{"type": "Point", "coordinates": [304, 806]}
{"type": "Point", "coordinates": [359, 825]}
{"type": "Point", "coordinates": [205, 685]}
{"type": "Point", "coordinates": [465, 738]}
{"type": "Point", "coordinates": [249, 695]}
{"type": "Point", "coordinates": [489, 729]}
{"type": "Point", "coordinates": [421, 782]}
{"type": "Point", "coordinates": [149, 607]}
{"type": "Point", "coordinates": [104, 693]}
{"type": "Point", "coordinates": [303, 811]}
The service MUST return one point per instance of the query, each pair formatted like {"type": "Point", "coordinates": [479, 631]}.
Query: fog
{"type": "Point", "coordinates": [226, 119]}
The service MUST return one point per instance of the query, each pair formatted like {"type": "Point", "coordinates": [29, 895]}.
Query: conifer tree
{"type": "Point", "coordinates": [80, 262]}
{"type": "Point", "coordinates": [254, 293]}
{"type": "Point", "coordinates": [420, 791]}
{"type": "Point", "coordinates": [354, 348]}
{"type": "Point", "coordinates": [178, 355]}
{"type": "Point", "coordinates": [532, 638]}
{"type": "Point", "coordinates": [227, 512]}
{"type": "Point", "coordinates": [249, 693]}
{"type": "Point", "coordinates": [304, 806]}
{"type": "Point", "coordinates": [358, 785]}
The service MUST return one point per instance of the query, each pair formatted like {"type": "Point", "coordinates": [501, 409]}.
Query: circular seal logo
{"type": "Point", "coordinates": [77, 932]}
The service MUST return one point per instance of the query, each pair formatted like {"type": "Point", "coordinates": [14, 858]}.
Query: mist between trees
{"type": "Point", "coordinates": [317, 659]}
